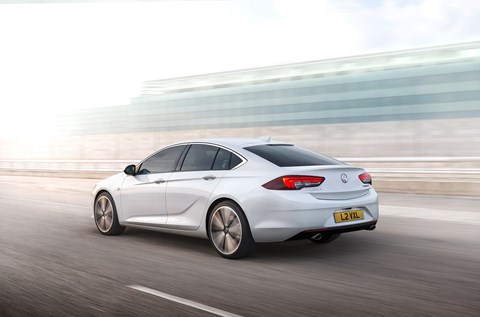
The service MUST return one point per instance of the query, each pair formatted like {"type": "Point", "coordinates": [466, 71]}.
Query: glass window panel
{"type": "Point", "coordinates": [200, 157]}
{"type": "Point", "coordinates": [163, 161]}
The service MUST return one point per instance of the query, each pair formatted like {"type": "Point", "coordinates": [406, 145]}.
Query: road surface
{"type": "Point", "coordinates": [423, 259]}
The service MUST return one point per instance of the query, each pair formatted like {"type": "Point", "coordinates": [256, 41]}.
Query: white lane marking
{"type": "Point", "coordinates": [44, 202]}
{"type": "Point", "coordinates": [183, 301]}
{"type": "Point", "coordinates": [469, 217]}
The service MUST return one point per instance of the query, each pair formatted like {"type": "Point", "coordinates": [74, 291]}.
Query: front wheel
{"type": "Point", "coordinates": [229, 232]}
{"type": "Point", "coordinates": [105, 214]}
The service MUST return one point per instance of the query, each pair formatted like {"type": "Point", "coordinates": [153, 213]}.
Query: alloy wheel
{"type": "Point", "coordinates": [225, 230]}
{"type": "Point", "coordinates": [103, 214]}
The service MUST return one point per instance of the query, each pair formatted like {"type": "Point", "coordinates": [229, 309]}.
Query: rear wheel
{"type": "Point", "coordinates": [229, 232]}
{"type": "Point", "coordinates": [324, 238]}
{"type": "Point", "coordinates": [105, 214]}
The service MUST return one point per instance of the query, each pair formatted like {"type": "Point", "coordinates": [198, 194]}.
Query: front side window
{"type": "Point", "coordinates": [163, 161]}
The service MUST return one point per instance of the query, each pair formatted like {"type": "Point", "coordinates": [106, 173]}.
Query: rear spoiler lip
{"type": "Point", "coordinates": [313, 168]}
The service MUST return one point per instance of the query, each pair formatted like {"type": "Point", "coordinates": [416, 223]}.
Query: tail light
{"type": "Point", "coordinates": [293, 182]}
{"type": "Point", "coordinates": [365, 178]}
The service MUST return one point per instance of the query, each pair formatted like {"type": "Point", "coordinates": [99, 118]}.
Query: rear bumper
{"type": "Point", "coordinates": [276, 216]}
{"type": "Point", "coordinates": [311, 232]}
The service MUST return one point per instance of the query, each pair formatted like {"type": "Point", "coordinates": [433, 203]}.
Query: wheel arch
{"type": "Point", "coordinates": [101, 191]}
{"type": "Point", "coordinates": [216, 202]}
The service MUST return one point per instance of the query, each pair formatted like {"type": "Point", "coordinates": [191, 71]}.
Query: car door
{"type": "Point", "coordinates": [189, 189]}
{"type": "Point", "coordinates": [143, 194]}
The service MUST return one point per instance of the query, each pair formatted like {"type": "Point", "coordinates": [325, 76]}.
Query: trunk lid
{"type": "Point", "coordinates": [341, 181]}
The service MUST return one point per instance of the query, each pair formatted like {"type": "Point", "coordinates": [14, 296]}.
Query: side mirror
{"type": "Point", "coordinates": [130, 170]}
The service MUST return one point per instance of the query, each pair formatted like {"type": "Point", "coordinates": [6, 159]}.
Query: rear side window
{"type": "Point", "coordinates": [284, 155]}
{"type": "Point", "coordinates": [222, 162]}
{"type": "Point", "coordinates": [235, 161]}
{"type": "Point", "coordinates": [200, 157]}
{"type": "Point", "coordinates": [226, 160]}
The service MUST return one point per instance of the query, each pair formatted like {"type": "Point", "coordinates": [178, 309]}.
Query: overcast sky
{"type": "Point", "coordinates": [74, 55]}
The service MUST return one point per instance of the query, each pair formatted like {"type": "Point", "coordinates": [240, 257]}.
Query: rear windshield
{"type": "Point", "coordinates": [289, 155]}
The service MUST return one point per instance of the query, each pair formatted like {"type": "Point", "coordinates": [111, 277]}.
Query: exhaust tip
{"type": "Point", "coordinates": [372, 227]}
{"type": "Point", "coordinates": [316, 237]}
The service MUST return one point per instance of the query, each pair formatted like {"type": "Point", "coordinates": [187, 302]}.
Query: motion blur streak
{"type": "Point", "coordinates": [415, 104]}
{"type": "Point", "coordinates": [412, 117]}
{"type": "Point", "coordinates": [54, 263]}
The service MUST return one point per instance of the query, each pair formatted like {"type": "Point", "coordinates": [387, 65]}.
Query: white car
{"type": "Point", "coordinates": [236, 192]}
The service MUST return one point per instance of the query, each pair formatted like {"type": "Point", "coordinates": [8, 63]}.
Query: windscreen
{"type": "Point", "coordinates": [284, 155]}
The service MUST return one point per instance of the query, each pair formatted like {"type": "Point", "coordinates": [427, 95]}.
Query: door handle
{"type": "Point", "coordinates": [209, 177]}
{"type": "Point", "coordinates": [160, 181]}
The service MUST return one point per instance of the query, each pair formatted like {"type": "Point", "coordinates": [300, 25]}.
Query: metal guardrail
{"type": "Point", "coordinates": [412, 159]}
{"type": "Point", "coordinates": [118, 165]}
{"type": "Point", "coordinates": [67, 165]}
{"type": "Point", "coordinates": [457, 176]}
{"type": "Point", "coordinates": [424, 171]}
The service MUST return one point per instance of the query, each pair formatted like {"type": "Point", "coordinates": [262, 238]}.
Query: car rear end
{"type": "Point", "coordinates": [300, 200]}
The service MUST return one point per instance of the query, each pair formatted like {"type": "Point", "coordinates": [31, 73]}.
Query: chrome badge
{"type": "Point", "coordinates": [344, 178]}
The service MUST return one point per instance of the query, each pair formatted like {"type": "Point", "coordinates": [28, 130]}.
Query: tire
{"type": "Point", "coordinates": [105, 215]}
{"type": "Point", "coordinates": [229, 232]}
{"type": "Point", "coordinates": [326, 238]}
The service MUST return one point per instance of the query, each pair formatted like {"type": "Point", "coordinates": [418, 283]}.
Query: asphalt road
{"type": "Point", "coordinates": [423, 259]}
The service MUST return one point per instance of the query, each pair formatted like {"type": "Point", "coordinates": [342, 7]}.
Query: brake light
{"type": "Point", "coordinates": [294, 182]}
{"type": "Point", "coordinates": [365, 178]}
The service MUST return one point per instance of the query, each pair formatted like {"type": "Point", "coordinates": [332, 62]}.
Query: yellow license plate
{"type": "Point", "coordinates": [350, 215]}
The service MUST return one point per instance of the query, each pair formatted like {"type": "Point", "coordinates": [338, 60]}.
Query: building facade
{"type": "Point", "coordinates": [423, 102]}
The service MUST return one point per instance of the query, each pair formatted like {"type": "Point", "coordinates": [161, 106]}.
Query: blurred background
{"type": "Point", "coordinates": [392, 86]}
{"type": "Point", "coordinates": [88, 87]}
